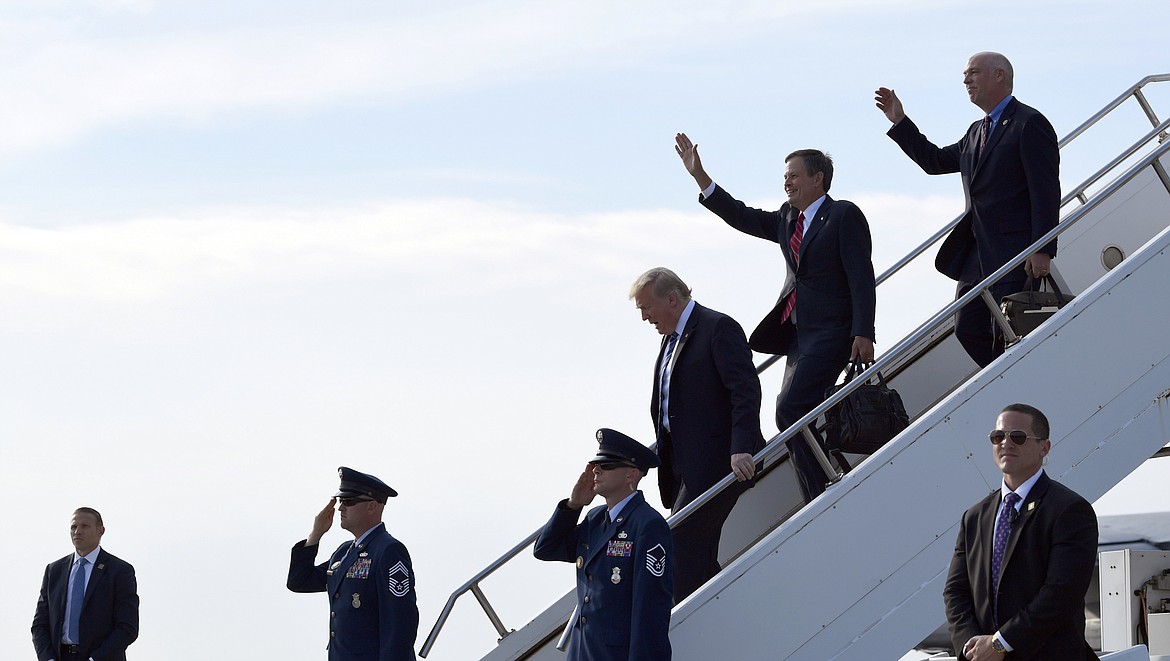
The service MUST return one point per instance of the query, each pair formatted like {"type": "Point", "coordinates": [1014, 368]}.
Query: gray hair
{"type": "Point", "coordinates": [662, 283]}
{"type": "Point", "coordinates": [998, 61]}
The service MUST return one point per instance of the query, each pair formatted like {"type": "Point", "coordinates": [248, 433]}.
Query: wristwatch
{"type": "Point", "coordinates": [998, 646]}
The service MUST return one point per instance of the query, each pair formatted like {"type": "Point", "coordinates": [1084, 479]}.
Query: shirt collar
{"type": "Point", "coordinates": [617, 509]}
{"type": "Point", "coordinates": [1023, 490]}
{"type": "Point", "coordinates": [684, 318]}
{"type": "Point", "coordinates": [997, 112]}
{"type": "Point", "coordinates": [811, 211]}
{"type": "Point", "coordinates": [91, 556]}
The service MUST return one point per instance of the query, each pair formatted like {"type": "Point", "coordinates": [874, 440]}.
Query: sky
{"type": "Point", "coordinates": [244, 243]}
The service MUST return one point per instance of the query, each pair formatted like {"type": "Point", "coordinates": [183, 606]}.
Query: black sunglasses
{"type": "Point", "coordinates": [1018, 436]}
{"type": "Point", "coordinates": [609, 467]}
{"type": "Point", "coordinates": [350, 502]}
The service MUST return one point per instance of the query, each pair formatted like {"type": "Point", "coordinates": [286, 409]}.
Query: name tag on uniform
{"type": "Point", "coordinates": [359, 569]}
{"type": "Point", "coordinates": [619, 549]}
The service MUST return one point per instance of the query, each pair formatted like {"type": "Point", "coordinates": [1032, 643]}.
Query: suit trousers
{"type": "Point", "coordinates": [696, 539]}
{"type": "Point", "coordinates": [975, 329]}
{"type": "Point", "coordinates": [806, 378]}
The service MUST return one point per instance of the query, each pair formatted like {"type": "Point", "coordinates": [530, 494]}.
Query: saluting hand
{"type": "Point", "coordinates": [583, 492]}
{"type": "Point", "coordinates": [889, 104]}
{"type": "Point", "coordinates": [322, 523]}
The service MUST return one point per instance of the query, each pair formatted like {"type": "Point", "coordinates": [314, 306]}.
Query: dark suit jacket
{"type": "Point", "coordinates": [624, 579]}
{"type": "Point", "coordinates": [714, 404]}
{"type": "Point", "coordinates": [1047, 566]}
{"type": "Point", "coordinates": [109, 614]}
{"type": "Point", "coordinates": [835, 295]}
{"type": "Point", "coordinates": [372, 603]}
{"type": "Point", "coordinates": [1012, 193]}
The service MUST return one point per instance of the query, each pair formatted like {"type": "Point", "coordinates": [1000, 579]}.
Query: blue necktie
{"type": "Point", "coordinates": [1003, 530]}
{"type": "Point", "coordinates": [76, 596]}
{"type": "Point", "coordinates": [664, 382]}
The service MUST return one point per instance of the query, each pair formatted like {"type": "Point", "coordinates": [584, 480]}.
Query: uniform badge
{"type": "Point", "coordinates": [363, 554]}
{"type": "Point", "coordinates": [580, 562]}
{"type": "Point", "coordinates": [618, 549]}
{"type": "Point", "coordinates": [622, 535]}
{"type": "Point", "coordinates": [617, 576]}
{"type": "Point", "coordinates": [599, 435]}
{"type": "Point", "coordinates": [656, 561]}
{"type": "Point", "coordinates": [332, 568]}
{"type": "Point", "coordinates": [359, 569]}
{"type": "Point", "coordinates": [357, 600]}
{"type": "Point", "coordinates": [399, 580]}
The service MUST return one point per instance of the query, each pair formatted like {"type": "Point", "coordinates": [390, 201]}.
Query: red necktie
{"type": "Point", "coordinates": [794, 246]}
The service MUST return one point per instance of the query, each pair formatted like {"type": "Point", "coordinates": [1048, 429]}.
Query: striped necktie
{"type": "Point", "coordinates": [664, 380]}
{"type": "Point", "coordinates": [794, 246]}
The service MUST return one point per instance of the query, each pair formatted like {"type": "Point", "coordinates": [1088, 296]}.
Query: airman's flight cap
{"type": "Point", "coordinates": [354, 484]}
{"type": "Point", "coordinates": [615, 447]}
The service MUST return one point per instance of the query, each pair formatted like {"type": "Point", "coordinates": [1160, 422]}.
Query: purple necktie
{"type": "Point", "coordinates": [1003, 530]}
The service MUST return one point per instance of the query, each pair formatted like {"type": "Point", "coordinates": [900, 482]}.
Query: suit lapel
{"type": "Point", "coordinates": [1005, 120]}
{"type": "Point", "coordinates": [1027, 511]}
{"type": "Point", "coordinates": [599, 533]}
{"type": "Point", "coordinates": [689, 330]}
{"type": "Point", "coordinates": [815, 225]}
{"type": "Point", "coordinates": [96, 576]}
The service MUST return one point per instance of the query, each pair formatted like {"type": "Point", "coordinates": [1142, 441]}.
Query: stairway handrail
{"type": "Point", "coordinates": [772, 448]}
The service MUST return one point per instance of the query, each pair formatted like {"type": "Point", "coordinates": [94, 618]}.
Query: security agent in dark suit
{"type": "Point", "coordinates": [825, 314]}
{"type": "Point", "coordinates": [1047, 536]}
{"type": "Point", "coordinates": [370, 581]}
{"type": "Point", "coordinates": [1012, 190]}
{"type": "Point", "coordinates": [623, 554]}
{"type": "Point", "coordinates": [88, 607]}
{"type": "Point", "coordinates": [706, 411]}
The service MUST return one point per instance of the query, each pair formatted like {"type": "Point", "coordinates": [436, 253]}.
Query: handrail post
{"type": "Point", "coordinates": [563, 641]}
{"type": "Point", "coordinates": [810, 438]}
{"type": "Point", "coordinates": [1149, 110]}
{"type": "Point", "coordinates": [1009, 335]}
{"type": "Point", "coordinates": [491, 612]}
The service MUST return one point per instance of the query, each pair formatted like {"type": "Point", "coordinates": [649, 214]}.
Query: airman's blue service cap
{"type": "Point", "coordinates": [355, 483]}
{"type": "Point", "coordinates": [615, 447]}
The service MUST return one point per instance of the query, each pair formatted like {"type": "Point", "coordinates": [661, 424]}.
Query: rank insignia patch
{"type": "Point", "coordinates": [399, 580]}
{"type": "Point", "coordinates": [619, 549]}
{"type": "Point", "coordinates": [656, 560]}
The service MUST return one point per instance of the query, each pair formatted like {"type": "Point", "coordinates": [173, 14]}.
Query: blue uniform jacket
{"type": "Point", "coordinates": [624, 580]}
{"type": "Point", "coordinates": [373, 614]}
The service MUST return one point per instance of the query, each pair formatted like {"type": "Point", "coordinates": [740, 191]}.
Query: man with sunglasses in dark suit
{"type": "Point", "coordinates": [370, 581]}
{"type": "Point", "coordinates": [623, 553]}
{"type": "Point", "coordinates": [1024, 556]}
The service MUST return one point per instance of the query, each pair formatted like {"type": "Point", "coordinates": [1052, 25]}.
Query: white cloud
{"type": "Point", "coordinates": [60, 84]}
{"type": "Point", "coordinates": [152, 257]}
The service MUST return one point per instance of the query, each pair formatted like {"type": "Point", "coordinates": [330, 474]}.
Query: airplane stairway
{"type": "Point", "coordinates": [858, 573]}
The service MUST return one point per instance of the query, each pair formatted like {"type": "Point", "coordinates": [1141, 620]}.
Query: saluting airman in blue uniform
{"type": "Point", "coordinates": [373, 615]}
{"type": "Point", "coordinates": [623, 555]}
